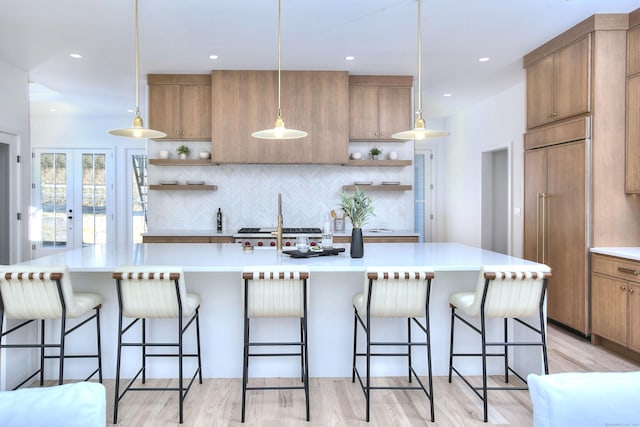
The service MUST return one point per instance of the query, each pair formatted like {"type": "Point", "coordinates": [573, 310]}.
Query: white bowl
{"type": "Point", "coordinates": [356, 156]}
{"type": "Point", "coordinates": [204, 154]}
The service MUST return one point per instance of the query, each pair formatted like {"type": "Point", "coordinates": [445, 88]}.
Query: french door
{"type": "Point", "coordinates": [72, 199]}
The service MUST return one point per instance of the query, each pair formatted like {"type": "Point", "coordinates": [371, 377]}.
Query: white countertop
{"type": "Point", "coordinates": [629, 252]}
{"type": "Point", "coordinates": [230, 257]}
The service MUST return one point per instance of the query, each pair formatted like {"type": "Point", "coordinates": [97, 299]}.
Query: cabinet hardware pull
{"type": "Point", "coordinates": [631, 290]}
{"type": "Point", "coordinates": [622, 288]}
{"type": "Point", "coordinates": [629, 271]}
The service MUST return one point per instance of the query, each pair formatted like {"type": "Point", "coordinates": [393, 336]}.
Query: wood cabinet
{"type": "Point", "coordinates": [379, 106]}
{"type": "Point", "coordinates": [615, 301]}
{"type": "Point", "coordinates": [555, 230]}
{"type": "Point", "coordinates": [180, 105]}
{"type": "Point", "coordinates": [558, 84]}
{"type": "Point", "coordinates": [378, 239]}
{"type": "Point", "coordinates": [632, 159]}
{"type": "Point", "coordinates": [594, 209]}
{"type": "Point", "coordinates": [246, 101]}
{"type": "Point", "coordinates": [187, 239]}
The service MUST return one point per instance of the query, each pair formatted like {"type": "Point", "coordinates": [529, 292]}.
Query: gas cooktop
{"type": "Point", "coordinates": [285, 230]}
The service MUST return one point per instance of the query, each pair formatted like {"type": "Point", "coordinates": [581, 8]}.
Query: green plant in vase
{"type": "Point", "coordinates": [375, 152]}
{"type": "Point", "coordinates": [359, 208]}
{"type": "Point", "coordinates": [183, 151]}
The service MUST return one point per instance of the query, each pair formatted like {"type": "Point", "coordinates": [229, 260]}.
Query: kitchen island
{"type": "Point", "coordinates": [213, 271]}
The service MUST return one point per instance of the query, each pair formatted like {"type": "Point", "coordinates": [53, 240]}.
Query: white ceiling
{"type": "Point", "coordinates": [177, 36]}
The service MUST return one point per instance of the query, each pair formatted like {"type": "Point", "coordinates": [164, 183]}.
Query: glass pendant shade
{"type": "Point", "coordinates": [419, 131]}
{"type": "Point", "coordinates": [279, 131]}
{"type": "Point", "coordinates": [137, 129]}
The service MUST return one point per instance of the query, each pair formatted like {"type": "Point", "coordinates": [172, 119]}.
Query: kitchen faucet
{"type": "Point", "coordinates": [278, 232]}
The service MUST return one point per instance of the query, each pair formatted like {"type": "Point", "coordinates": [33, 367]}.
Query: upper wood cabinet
{"type": "Point", "coordinates": [632, 158]}
{"type": "Point", "coordinates": [558, 84]}
{"type": "Point", "coordinates": [379, 106]}
{"type": "Point", "coordinates": [180, 105]}
{"type": "Point", "coordinates": [633, 43]}
{"type": "Point", "coordinates": [246, 101]}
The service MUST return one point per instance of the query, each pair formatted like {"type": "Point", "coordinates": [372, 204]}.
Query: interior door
{"type": "Point", "coordinates": [565, 229]}
{"type": "Point", "coordinates": [72, 200]}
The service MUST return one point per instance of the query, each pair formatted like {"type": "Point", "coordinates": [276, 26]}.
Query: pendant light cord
{"type": "Point", "coordinates": [137, 66]}
{"type": "Point", "coordinates": [279, 81]}
{"type": "Point", "coordinates": [419, 61]}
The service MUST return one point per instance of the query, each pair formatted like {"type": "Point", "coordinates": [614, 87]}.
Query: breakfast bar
{"type": "Point", "coordinates": [214, 272]}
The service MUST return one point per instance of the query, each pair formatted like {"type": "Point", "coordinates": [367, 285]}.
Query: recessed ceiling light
{"type": "Point", "coordinates": [213, 56]}
{"type": "Point", "coordinates": [75, 55]}
{"type": "Point", "coordinates": [130, 110]}
{"type": "Point", "coordinates": [446, 94]}
{"type": "Point", "coordinates": [52, 110]}
{"type": "Point", "coordinates": [484, 59]}
{"type": "Point", "coordinates": [349, 58]}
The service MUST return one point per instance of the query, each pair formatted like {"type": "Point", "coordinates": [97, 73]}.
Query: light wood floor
{"type": "Point", "coordinates": [338, 402]}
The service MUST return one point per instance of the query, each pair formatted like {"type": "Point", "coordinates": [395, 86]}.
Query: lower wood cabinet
{"type": "Point", "coordinates": [187, 239]}
{"type": "Point", "coordinates": [615, 300]}
{"type": "Point", "coordinates": [378, 239]}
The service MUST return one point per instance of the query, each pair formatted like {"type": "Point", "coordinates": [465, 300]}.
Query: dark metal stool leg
{"type": "Point", "coordinates": [355, 346]}
{"type": "Point", "coordinates": [99, 344]}
{"type": "Point", "coordinates": [409, 347]}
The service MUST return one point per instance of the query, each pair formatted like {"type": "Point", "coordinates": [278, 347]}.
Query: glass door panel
{"type": "Point", "coordinates": [94, 199]}
{"type": "Point", "coordinates": [54, 224]}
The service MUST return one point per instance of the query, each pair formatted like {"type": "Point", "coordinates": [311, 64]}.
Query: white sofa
{"type": "Point", "coordinates": [81, 404]}
{"type": "Point", "coordinates": [585, 399]}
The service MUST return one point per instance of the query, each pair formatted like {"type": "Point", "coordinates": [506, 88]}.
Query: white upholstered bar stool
{"type": "Point", "coordinates": [45, 293]}
{"type": "Point", "coordinates": [503, 292]}
{"type": "Point", "coordinates": [394, 292]}
{"type": "Point", "coordinates": [155, 292]}
{"type": "Point", "coordinates": [275, 291]}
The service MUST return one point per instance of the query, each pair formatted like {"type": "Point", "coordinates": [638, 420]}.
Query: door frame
{"type": "Point", "coordinates": [14, 195]}
{"type": "Point", "coordinates": [74, 196]}
{"type": "Point", "coordinates": [487, 192]}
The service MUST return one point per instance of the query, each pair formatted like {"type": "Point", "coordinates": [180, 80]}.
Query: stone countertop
{"type": "Point", "coordinates": [628, 252]}
{"type": "Point", "coordinates": [230, 257]}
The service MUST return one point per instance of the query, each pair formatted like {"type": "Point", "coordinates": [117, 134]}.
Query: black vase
{"type": "Point", "coordinates": [357, 245]}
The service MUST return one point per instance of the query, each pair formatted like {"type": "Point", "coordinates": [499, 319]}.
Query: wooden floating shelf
{"type": "Point", "coordinates": [378, 187]}
{"type": "Point", "coordinates": [378, 163]}
{"type": "Point", "coordinates": [181, 162]}
{"type": "Point", "coordinates": [180, 187]}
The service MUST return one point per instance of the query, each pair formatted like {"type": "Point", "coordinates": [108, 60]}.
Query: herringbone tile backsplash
{"type": "Point", "coordinates": [247, 194]}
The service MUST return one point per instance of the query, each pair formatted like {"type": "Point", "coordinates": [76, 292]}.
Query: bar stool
{"type": "Point", "coordinates": [269, 292]}
{"type": "Point", "coordinates": [505, 292]}
{"type": "Point", "coordinates": [31, 293]}
{"type": "Point", "coordinates": [400, 292]}
{"type": "Point", "coordinates": [155, 292]}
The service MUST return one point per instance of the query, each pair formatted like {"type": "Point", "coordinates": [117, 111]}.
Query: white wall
{"type": "Point", "coordinates": [14, 122]}
{"type": "Point", "coordinates": [497, 122]}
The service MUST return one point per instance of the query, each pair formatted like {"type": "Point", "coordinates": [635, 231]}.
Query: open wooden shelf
{"type": "Point", "coordinates": [378, 187]}
{"type": "Point", "coordinates": [181, 162]}
{"type": "Point", "coordinates": [378, 163]}
{"type": "Point", "coordinates": [182, 187]}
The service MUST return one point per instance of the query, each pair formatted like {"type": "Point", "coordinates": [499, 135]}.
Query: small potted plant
{"type": "Point", "coordinates": [183, 151]}
{"type": "Point", "coordinates": [375, 152]}
{"type": "Point", "coordinates": [359, 208]}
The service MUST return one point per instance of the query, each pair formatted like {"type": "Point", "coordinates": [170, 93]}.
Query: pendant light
{"type": "Point", "coordinates": [137, 130]}
{"type": "Point", "coordinates": [279, 131]}
{"type": "Point", "coordinates": [419, 131]}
